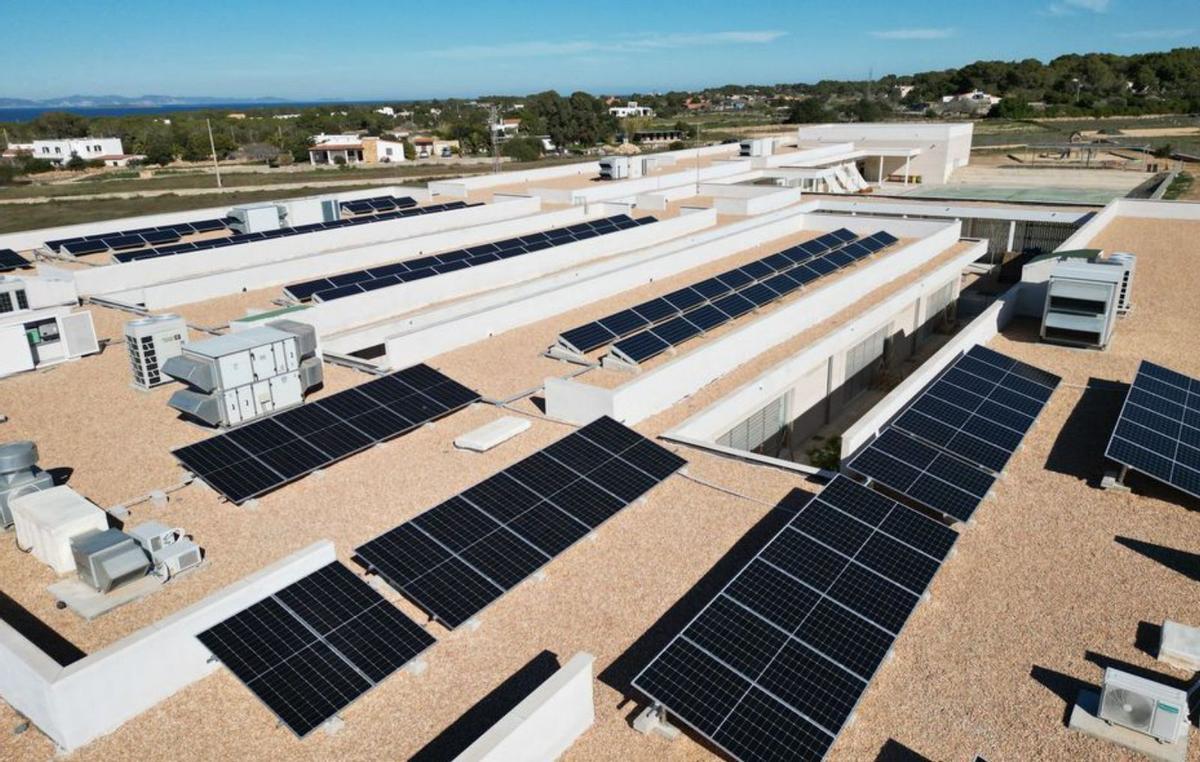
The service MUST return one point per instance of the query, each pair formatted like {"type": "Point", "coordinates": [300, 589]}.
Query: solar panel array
{"type": "Point", "coordinates": [378, 204]}
{"type": "Point", "coordinates": [361, 281]}
{"type": "Point", "coordinates": [313, 647]}
{"type": "Point", "coordinates": [11, 260]}
{"type": "Point", "coordinates": [136, 238]}
{"type": "Point", "coordinates": [1158, 431]}
{"type": "Point", "coordinates": [283, 232]}
{"type": "Point", "coordinates": [945, 449]}
{"type": "Point", "coordinates": [458, 557]}
{"type": "Point", "coordinates": [774, 665]}
{"type": "Point", "coordinates": [723, 298]}
{"type": "Point", "coordinates": [260, 456]}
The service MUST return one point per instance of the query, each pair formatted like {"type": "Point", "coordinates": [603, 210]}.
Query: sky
{"type": "Point", "coordinates": [305, 50]}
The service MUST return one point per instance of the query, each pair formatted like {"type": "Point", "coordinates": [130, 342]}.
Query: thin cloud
{"type": "Point", "coordinates": [1156, 34]}
{"type": "Point", "coordinates": [626, 44]}
{"type": "Point", "coordinates": [1069, 7]}
{"type": "Point", "coordinates": [913, 34]}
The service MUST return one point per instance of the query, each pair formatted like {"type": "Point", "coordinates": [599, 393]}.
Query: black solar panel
{"type": "Point", "coordinates": [1158, 430]}
{"type": "Point", "coordinates": [265, 454]}
{"type": "Point", "coordinates": [11, 260]}
{"type": "Point", "coordinates": [446, 261]}
{"type": "Point", "coordinates": [734, 292]}
{"type": "Point", "coordinates": [458, 557]}
{"type": "Point", "coordinates": [978, 410]}
{"type": "Point", "coordinates": [315, 646]}
{"type": "Point", "coordinates": [774, 665]}
{"type": "Point", "coordinates": [923, 473]}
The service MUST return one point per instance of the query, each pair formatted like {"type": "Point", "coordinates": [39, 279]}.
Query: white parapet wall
{"type": "Point", "coordinates": [375, 306]}
{"type": "Point", "coordinates": [32, 239]}
{"type": "Point", "coordinates": [419, 337]}
{"type": "Point", "coordinates": [94, 696]}
{"type": "Point", "coordinates": [346, 241]}
{"type": "Point", "coordinates": [545, 724]}
{"type": "Point", "coordinates": [655, 390]}
{"type": "Point", "coordinates": [979, 331]}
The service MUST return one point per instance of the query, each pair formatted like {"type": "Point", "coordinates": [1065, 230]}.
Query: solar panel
{"type": "Point", "coordinates": [451, 260]}
{"type": "Point", "coordinates": [1158, 430]}
{"type": "Point", "coordinates": [77, 248]}
{"type": "Point", "coordinates": [460, 556]}
{"type": "Point", "coordinates": [775, 664]}
{"type": "Point", "coordinates": [923, 473]}
{"type": "Point", "coordinates": [734, 292]}
{"type": "Point", "coordinates": [977, 410]}
{"type": "Point", "coordinates": [315, 646]}
{"type": "Point", "coordinates": [260, 456]}
{"type": "Point", "coordinates": [11, 260]}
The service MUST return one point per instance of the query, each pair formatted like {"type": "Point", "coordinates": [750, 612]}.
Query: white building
{"type": "Point", "coordinates": [386, 111]}
{"type": "Point", "coordinates": [631, 109]}
{"type": "Point", "coordinates": [354, 149]}
{"type": "Point", "coordinates": [108, 150]}
{"type": "Point", "coordinates": [974, 97]}
{"type": "Point", "coordinates": [926, 153]}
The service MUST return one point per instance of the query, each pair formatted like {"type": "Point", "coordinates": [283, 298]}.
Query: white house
{"type": "Point", "coordinates": [925, 152]}
{"type": "Point", "coordinates": [975, 97]}
{"type": "Point", "coordinates": [354, 149]}
{"type": "Point", "coordinates": [386, 111]}
{"type": "Point", "coordinates": [108, 150]}
{"type": "Point", "coordinates": [631, 109]}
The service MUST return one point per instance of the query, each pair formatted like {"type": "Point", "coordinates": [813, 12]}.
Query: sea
{"type": "Point", "coordinates": [29, 114]}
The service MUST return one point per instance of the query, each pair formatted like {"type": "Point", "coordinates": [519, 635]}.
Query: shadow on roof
{"type": "Point", "coordinates": [486, 712]}
{"type": "Point", "coordinates": [1078, 449]}
{"type": "Point", "coordinates": [1187, 564]}
{"type": "Point", "coordinates": [619, 675]}
{"type": "Point", "coordinates": [39, 633]}
{"type": "Point", "coordinates": [894, 751]}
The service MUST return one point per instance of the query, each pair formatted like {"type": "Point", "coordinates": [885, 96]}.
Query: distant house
{"type": "Point", "coordinates": [108, 150]}
{"type": "Point", "coordinates": [904, 90]}
{"type": "Point", "coordinates": [17, 149]}
{"type": "Point", "coordinates": [353, 149]}
{"type": "Point", "coordinates": [435, 148]}
{"type": "Point", "coordinates": [386, 111]}
{"type": "Point", "coordinates": [507, 128]}
{"type": "Point", "coordinates": [631, 109]}
{"type": "Point", "coordinates": [974, 98]}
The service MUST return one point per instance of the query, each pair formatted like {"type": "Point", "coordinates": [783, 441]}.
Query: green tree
{"type": "Point", "coordinates": [1012, 107]}
{"type": "Point", "coordinates": [76, 162]}
{"type": "Point", "coordinates": [522, 148]}
{"type": "Point", "coordinates": [866, 110]}
{"type": "Point", "coordinates": [60, 124]}
{"type": "Point", "coordinates": [807, 111]}
{"type": "Point", "coordinates": [159, 149]}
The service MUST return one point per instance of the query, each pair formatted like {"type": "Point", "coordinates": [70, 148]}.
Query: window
{"type": "Point", "coordinates": [389, 151]}
{"type": "Point", "coordinates": [764, 432]}
{"type": "Point", "coordinates": [936, 305]}
{"type": "Point", "coordinates": [861, 361]}
{"type": "Point", "coordinates": [96, 148]}
{"type": "Point", "coordinates": [57, 149]}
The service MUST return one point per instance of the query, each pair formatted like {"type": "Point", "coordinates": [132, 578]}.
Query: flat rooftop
{"type": "Point", "coordinates": [1040, 595]}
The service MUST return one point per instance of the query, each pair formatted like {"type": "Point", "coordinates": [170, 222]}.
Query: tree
{"type": "Point", "coordinates": [76, 162]}
{"type": "Point", "coordinates": [867, 110]}
{"type": "Point", "coordinates": [522, 149]}
{"type": "Point", "coordinates": [60, 124]}
{"type": "Point", "coordinates": [410, 151]}
{"type": "Point", "coordinates": [807, 111]}
{"type": "Point", "coordinates": [1012, 107]}
{"type": "Point", "coordinates": [159, 149]}
{"type": "Point", "coordinates": [690, 131]}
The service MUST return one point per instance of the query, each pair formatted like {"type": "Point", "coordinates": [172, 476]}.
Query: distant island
{"type": "Point", "coordinates": [130, 101]}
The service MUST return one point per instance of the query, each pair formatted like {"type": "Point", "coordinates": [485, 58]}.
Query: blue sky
{"type": "Point", "coordinates": [380, 50]}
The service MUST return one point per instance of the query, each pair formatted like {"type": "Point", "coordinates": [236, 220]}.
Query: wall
{"type": "Point", "coordinates": [32, 239]}
{"type": "Point", "coordinates": [978, 331]}
{"type": "Point", "coordinates": [184, 278]}
{"type": "Point", "coordinates": [768, 199]}
{"type": "Point", "coordinates": [544, 725]}
{"type": "Point", "coordinates": [420, 337]}
{"type": "Point", "coordinates": [944, 147]}
{"type": "Point", "coordinates": [667, 384]}
{"type": "Point", "coordinates": [96, 695]}
{"type": "Point", "coordinates": [374, 306]}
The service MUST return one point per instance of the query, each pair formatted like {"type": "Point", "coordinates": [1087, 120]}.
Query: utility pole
{"type": "Point", "coordinates": [494, 123]}
{"type": "Point", "coordinates": [212, 144]}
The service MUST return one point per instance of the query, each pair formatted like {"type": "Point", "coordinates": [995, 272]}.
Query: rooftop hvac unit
{"type": "Point", "coordinates": [108, 558]}
{"type": "Point", "coordinates": [1081, 303]}
{"type": "Point", "coordinates": [170, 551]}
{"type": "Point", "coordinates": [46, 521]}
{"type": "Point", "coordinates": [1127, 262]}
{"type": "Point", "coordinates": [255, 218]}
{"type": "Point", "coordinates": [29, 339]}
{"type": "Point", "coordinates": [1143, 705]}
{"type": "Point", "coordinates": [19, 475]}
{"type": "Point", "coordinates": [245, 375]}
{"type": "Point", "coordinates": [619, 168]}
{"type": "Point", "coordinates": [151, 342]}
